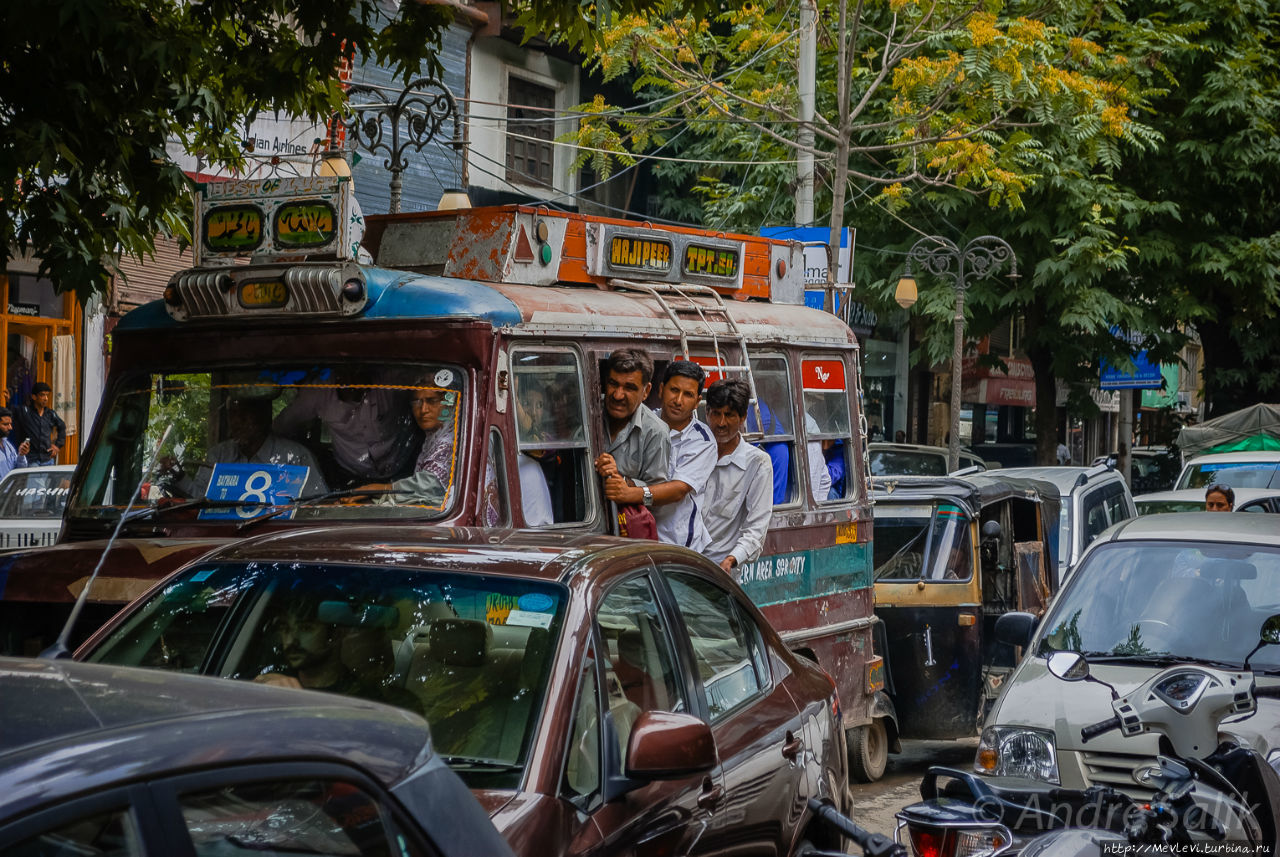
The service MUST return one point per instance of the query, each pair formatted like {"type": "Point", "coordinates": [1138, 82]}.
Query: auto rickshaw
{"type": "Point", "coordinates": [951, 555]}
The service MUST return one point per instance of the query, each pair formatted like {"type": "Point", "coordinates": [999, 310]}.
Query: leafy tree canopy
{"type": "Point", "coordinates": [92, 90]}
{"type": "Point", "coordinates": [911, 94]}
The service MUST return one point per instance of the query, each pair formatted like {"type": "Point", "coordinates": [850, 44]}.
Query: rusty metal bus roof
{"type": "Point", "coordinates": [543, 310]}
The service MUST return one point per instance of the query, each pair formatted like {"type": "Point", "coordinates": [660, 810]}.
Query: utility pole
{"type": "Point", "coordinates": [807, 70]}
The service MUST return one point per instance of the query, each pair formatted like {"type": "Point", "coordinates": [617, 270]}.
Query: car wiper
{"type": "Point", "coordinates": [468, 764]}
{"type": "Point", "coordinates": [282, 508]}
{"type": "Point", "coordinates": [195, 503]}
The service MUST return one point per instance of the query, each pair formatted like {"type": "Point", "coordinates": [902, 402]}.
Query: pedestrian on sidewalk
{"type": "Point", "coordinates": [37, 424]}
{"type": "Point", "coordinates": [10, 456]}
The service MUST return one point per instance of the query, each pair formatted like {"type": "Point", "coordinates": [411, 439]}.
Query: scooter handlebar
{"type": "Point", "coordinates": [872, 844]}
{"type": "Point", "coordinates": [1100, 728]}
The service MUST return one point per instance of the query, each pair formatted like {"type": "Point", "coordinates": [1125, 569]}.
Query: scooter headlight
{"type": "Point", "coordinates": [1016, 751]}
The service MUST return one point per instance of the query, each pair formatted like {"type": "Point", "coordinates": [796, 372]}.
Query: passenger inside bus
{"type": "Point", "coordinates": [774, 396]}
{"type": "Point", "coordinates": [434, 409]}
{"type": "Point", "coordinates": [555, 441]}
{"type": "Point", "coordinates": [364, 420]}
{"type": "Point", "coordinates": [535, 496]}
{"type": "Point", "coordinates": [251, 441]}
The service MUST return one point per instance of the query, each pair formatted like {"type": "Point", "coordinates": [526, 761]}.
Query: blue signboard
{"type": "Point", "coordinates": [257, 485]}
{"type": "Point", "coordinates": [1145, 375]}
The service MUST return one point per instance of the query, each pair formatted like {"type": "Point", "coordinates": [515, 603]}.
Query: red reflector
{"type": "Point", "coordinates": [928, 842]}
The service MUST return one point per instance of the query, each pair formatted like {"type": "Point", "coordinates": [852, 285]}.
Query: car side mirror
{"type": "Point", "coordinates": [1016, 629]}
{"type": "Point", "coordinates": [1268, 635]}
{"type": "Point", "coordinates": [665, 745]}
{"type": "Point", "coordinates": [1069, 666]}
{"type": "Point", "coordinates": [991, 530]}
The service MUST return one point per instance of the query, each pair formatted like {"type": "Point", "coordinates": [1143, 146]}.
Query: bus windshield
{"type": "Point", "coordinates": [307, 440]}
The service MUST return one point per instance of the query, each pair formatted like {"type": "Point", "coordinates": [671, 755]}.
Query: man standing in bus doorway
{"type": "Point", "coordinates": [739, 495]}
{"type": "Point", "coordinates": [638, 449]}
{"type": "Point", "coordinates": [36, 422]}
{"type": "Point", "coordinates": [677, 501]}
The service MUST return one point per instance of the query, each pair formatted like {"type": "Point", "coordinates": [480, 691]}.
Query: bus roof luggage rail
{"type": "Point", "coordinates": [685, 293]}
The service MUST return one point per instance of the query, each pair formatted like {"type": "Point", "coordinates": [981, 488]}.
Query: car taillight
{"type": "Point", "coordinates": [962, 842]}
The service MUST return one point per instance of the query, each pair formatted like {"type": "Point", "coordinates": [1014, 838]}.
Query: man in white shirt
{"type": "Point", "coordinates": [677, 502]}
{"type": "Point", "coordinates": [739, 495]}
{"type": "Point", "coordinates": [251, 441]}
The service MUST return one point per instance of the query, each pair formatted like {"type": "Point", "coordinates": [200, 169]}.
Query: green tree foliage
{"type": "Point", "coordinates": [91, 91]}
{"type": "Point", "coordinates": [909, 95]}
{"type": "Point", "coordinates": [1212, 243]}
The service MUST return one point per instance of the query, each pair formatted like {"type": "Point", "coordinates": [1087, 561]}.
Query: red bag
{"type": "Point", "coordinates": [637, 522]}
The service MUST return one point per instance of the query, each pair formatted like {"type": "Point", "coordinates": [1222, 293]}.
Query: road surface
{"type": "Point", "coordinates": [874, 804]}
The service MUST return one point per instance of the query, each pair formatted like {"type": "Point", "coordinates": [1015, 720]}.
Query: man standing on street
{"type": "Point", "coordinates": [677, 501]}
{"type": "Point", "coordinates": [739, 495]}
{"type": "Point", "coordinates": [10, 456]}
{"type": "Point", "coordinates": [638, 450]}
{"type": "Point", "coordinates": [37, 423]}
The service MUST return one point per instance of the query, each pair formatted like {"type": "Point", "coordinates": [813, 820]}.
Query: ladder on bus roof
{"type": "Point", "coordinates": [684, 309]}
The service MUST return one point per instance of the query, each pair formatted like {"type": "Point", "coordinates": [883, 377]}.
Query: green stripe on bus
{"type": "Point", "coordinates": [812, 573]}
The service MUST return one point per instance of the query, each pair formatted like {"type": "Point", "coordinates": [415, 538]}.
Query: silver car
{"type": "Point", "coordinates": [31, 504]}
{"type": "Point", "coordinates": [1154, 591]}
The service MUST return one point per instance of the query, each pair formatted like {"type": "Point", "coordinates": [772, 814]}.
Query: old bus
{"type": "Point", "coordinates": [285, 333]}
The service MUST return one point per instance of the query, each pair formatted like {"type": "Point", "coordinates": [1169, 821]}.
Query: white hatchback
{"type": "Point", "coordinates": [31, 504]}
{"type": "Point", "coordinates": [1237, 469]}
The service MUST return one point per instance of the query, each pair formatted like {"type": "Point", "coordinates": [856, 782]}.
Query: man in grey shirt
{"type": "Point", "coordinates": [739, 496]}
{"type": "Point", "coordinates": [638, 450]}
{"type": "Point", "coordinates": [676, 500]}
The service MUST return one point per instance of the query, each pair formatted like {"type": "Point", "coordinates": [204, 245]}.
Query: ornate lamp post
{"type": "Point", "coordinates": [426, 103]}
{"type": "Point", "coordinates": [981, 258]}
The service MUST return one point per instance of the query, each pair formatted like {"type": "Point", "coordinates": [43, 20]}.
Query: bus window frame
{"type": "Point", "coordinates": [798, 484]}
{"type": "Point", "coordinates": [851, 461]}
{"type": "Point", "coordinates": [590, 434]}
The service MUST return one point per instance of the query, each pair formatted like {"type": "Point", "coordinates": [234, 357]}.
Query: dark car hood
{"type": "Point", "coordinates": [57, 574]}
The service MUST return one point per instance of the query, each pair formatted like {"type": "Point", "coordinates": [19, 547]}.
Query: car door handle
{"type": "Point", "coordinates": [791, 748]}
{"type": "Point", "coordinates": [711, 794]}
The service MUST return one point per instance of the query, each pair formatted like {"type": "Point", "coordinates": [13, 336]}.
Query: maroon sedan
{"type": "Point", "coordinates": [598, 695]}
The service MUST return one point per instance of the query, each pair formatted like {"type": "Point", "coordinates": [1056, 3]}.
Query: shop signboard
{"type": "Point", "coordinates": [860, 317]}
{"type": "Point", "coordinates": [1144, 375]}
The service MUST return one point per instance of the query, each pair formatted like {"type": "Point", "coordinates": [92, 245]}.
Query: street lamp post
{"type": "Point", "coordinates": [981, 258]}
{"type": "Point", "coordinates": [426, 103]}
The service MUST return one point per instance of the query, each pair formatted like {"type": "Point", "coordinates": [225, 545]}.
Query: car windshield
{"type": "Point", "coordinates": [471, 653]}
{"type": "Point", "coordinates": [1156, 507]}
{"type": "Point", "coordinates": [922, 542]}
{"type": "Point", "coordinates": [1185, 599]}
{"type": "Point", "coordinates": [243, 440]}
{"type": "Point", "coordinates": [34, 493]}
{"type": "Point", "coordinates": [890, 462]}
{"type": "Point", "coordinates": [1242, 474]}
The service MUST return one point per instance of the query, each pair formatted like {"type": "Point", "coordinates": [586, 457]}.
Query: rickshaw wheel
{"type": "Point", "coordinates": [868, 751]}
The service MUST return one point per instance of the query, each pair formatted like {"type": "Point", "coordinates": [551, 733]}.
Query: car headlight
{"type": "Point", "coordinates": [1017, 751]}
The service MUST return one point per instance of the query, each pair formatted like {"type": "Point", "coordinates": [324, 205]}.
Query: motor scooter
{"type": "Point", "coordinates": [1208, 788]}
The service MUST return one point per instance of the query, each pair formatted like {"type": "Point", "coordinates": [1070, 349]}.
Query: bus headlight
{"type": "Point", "coordinates": [1017, 751]}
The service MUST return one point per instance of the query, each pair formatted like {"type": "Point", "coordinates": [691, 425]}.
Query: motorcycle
{"type": "Point", "coordinates": [1208, 787]}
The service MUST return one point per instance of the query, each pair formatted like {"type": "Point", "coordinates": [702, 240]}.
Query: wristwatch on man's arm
{"type": "Point", "coordinates": [648, 496]}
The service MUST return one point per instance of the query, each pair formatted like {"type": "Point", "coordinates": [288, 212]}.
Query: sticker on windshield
{"type": "Point", "coordinates": [529, 619]}
{"type": "Point", "coordinates": [444, 378]}
{"type": "Point", "coordinates": [536, 602]}
{"type": "Point", "coordinates": [255, 485]}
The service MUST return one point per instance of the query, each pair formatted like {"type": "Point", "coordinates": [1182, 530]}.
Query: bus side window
{"type": "Point", "coordinates": [551, 439]}
{"type": "Point", "coordinates": [773, 388]}
{"type": "Point", "coordinates": [829, 443]}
